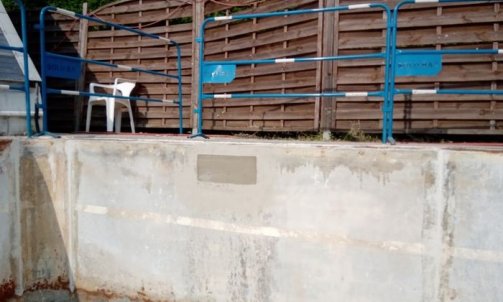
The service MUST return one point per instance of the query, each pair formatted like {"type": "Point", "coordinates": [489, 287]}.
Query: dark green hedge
{"type": "Point", "coordinates": [73, 5]}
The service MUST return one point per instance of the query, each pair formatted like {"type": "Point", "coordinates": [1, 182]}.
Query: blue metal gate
{"type": "Point", "coordinates": [68, 67]}
{"type": "Point", "coordinates": [224, 71]}
{"type": "Point", "coordinates": [426, 62]}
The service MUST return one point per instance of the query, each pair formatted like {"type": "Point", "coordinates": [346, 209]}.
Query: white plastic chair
{"type": "Point", "coordinates": [120, 87]}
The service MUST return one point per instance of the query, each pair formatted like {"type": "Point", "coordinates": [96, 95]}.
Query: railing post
{"type": "Point", "coordinates": [26, 67]}
{"type": "Point", "coordinates": [197, 20]}
{"type": "Point", "coordinates": [43, 86]}
{"type": "Point", "coordinates": [83, 31]}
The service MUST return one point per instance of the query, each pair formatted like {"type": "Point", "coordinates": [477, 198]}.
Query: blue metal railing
{"type": "Point", "coordinates": [435, 55]}
{"type": "Point", "coordinates": [224, 71]}
{"type": "Point", "coordinates": [65, 71]}
{"type": "Point", "coordinates": [26, 75]}
{"type": "Point", "coordinates": [397, 62]}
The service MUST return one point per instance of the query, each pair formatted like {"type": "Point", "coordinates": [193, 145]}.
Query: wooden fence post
{"type": "Point", "coordinates": [329, 68]}
{"type": "Point", "coordinates": [82, 45]}
{"type": "Point", "coordinates": [197, 20]}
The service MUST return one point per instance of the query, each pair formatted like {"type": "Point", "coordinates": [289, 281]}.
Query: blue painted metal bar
{"type": "Point", "coordinates": [180, 88]}
{"type": "Point", "coordinates": [449, 91]}
{"type": "Point", "coordinates": [300, 12]}
{"type": "Point", "coordinates": [298, 60]}
{"type": "Point", "coordinates": [388, 122]}
{"type": "Point", "coordinates": [43, 72]}
{"type": "Point", "coordinates": [26, 69]}
{"type": "Point", "coordinates": [97, 20]}
{"type": "Point", "coordinates": [24, 37]}
{"type": "Point", "coordinates": [85, 93]}
{"type": "Point", "coordinates": [44, 55]}
{"type": "Point", "coordinates": [10, 87]}
{"type": "Point", "coordinates": [5, 47]}
{"type": "Point", "coordinates": [123, 67]}
{"type": "Point", "coordinates": [202, 63]}
{"type": "Point", "coordinates": [293, 95]}
{"type": "Point", "coordinates": [451, 52]}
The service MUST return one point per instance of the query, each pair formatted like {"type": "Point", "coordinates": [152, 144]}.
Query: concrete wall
{"type": "Point", "coordinates": [44, 216]}
{"type": "Point", "coordinates": [179, 220]}
{"type": "Point", "coordinates": [8, 240]}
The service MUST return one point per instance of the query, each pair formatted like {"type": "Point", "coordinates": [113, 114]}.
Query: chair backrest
{"type": "Point", "coordinates": [125, 87]}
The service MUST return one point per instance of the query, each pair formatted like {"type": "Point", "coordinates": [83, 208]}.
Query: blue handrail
{"type": "Point", "coordinates": [202, 63]}
{"type": "Point", "coordinates": [44, 55]}
{"type": "Point", "coordinates": [26, 73]}
{"type": "Point", "coordinates": [395, 52]}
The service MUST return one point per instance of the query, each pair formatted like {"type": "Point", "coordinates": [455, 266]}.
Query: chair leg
{"type": "Point", "coordinates": [118, 119]}
{"type": "Point", "coordinates": [131, 117]}
{"type": "Point", "coordinates": [110, 108]}
{"type": "Point", "coordinates": [88, 117]}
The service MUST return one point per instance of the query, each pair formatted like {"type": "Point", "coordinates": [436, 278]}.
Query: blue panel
{"type": "Point", "coordinates": [62, 68]}
{"type": "Point", "coordinates": [220, 74]}
{"type": "Point", "coordinates": [418, 65]}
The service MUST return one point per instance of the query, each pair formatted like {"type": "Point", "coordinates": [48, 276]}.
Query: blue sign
{"type": "Point", "coordinates": [418, 65]}
{"type": "Point", "coordinates": [64, 68]}
{"type": "Point", "coordinates": [219, 74]}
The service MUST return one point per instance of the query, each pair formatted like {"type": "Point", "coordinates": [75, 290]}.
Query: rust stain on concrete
{"type": "Point", "coordinates": [4, 143]}
{"type": "Point", "coordinates": [107, 295]}
{"type": "Point", "coordinates": [61, 283]}
{"type": "Point", "coordinates": [7, 289]}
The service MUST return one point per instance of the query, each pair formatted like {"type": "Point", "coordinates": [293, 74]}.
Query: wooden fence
{"type": "Point", "coordinates": [448, 26]}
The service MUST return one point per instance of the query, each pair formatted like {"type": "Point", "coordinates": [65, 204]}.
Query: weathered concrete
{"type": "Point", "coordinates": [44, 216]}
{"type": "Point", "coordinates": [303, 222]}
{"type": "Point", "coordinates": [8, 240]}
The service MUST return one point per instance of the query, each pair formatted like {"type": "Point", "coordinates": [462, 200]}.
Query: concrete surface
{"type": "Point", "coordinates": [9, 243]}
{"type": "Point", "coordinates": [130, 220]}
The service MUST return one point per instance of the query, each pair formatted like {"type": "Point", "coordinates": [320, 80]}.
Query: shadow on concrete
{"type": "Point", "coordinates": [44, 260]}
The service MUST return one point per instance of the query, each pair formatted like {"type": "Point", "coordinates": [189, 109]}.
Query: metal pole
{"type": "Point", "coordinates": [26, 67]}
{"type": "Point", "coordinates": [43, 87]}
{"type": "Point", "coordinates": [387, 129]}
{"type": "Point", "coordinates": [180, 87]}
{"type": "Point", "coordinates": [83, 33]}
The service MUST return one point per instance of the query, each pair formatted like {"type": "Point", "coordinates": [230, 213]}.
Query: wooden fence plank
{"type": "Point", "coordinates": [329, 68]}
